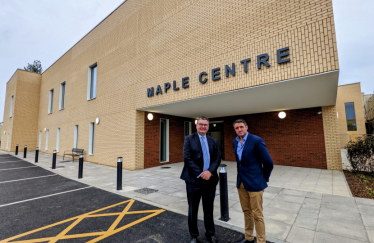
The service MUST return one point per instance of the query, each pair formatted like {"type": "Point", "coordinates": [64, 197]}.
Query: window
{"type": "Point", "coordinates": [11, 106]}
{"type": "Point", "coordinates": [7, 142]}
{"type": "Point", "coordinates": [76, 136]}
{"type": "Point", "coordinates": [40, 139]}
{"type": "Point", "coordinates": [92, 79]}
{"type": "Point", "coordinates": [187, 128]}
{"type": "Point", "coordinates": [351, 117]}
{"type": "Point", "coordinates": [62, 96]}
{"type": "Point", "coordinates": [92, 138]}
{"type": "Point", "coordinates": [50, 106]}
{"type": "Point", "coordinates": [164, 140]}
{"type": "Point", "coordinates": [46, 139]}
{"type": "Point", "coordinates": [58, 140]}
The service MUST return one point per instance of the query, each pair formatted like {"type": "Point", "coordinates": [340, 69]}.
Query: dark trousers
{"type": "Point", "coordinates": [194, 194]}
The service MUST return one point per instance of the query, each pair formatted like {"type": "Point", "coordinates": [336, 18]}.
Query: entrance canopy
{"type": "Point", "coordinates": [304, 92]}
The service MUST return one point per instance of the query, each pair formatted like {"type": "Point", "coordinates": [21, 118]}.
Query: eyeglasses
{"type": "Point", "coordinates": [203, 125]}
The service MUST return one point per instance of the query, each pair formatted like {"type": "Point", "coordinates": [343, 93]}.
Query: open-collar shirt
{"type": "Point", "coordinates": [240, 147]}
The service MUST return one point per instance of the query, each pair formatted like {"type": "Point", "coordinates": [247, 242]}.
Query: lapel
{"type": "Point", "coordinates": [198, 144]}
{"type": "Point", "coordinates": [246, 144]}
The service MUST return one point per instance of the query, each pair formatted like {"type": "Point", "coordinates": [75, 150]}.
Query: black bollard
{"type": "Point", "coordinates": [17, 149]}
{"type": "Point", "coordinates": [54, 160]}
{"type": "Point", "coordinates": [25, 152]}
{"type": "Point", "coordinates": [36, 154]}
{"type": "Point", "coordinates": [80, 169]}
{"type": "Point", "coordinates": [224, 197]}
{"type": "Point", "coordinates": [119, 173]}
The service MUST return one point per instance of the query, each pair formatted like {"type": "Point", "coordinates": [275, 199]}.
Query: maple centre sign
{"type": "Point", "coordinates": [262, 59]}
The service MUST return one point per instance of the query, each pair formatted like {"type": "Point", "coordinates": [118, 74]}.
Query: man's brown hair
{"type": "Point", "coordinates": [240, 121]}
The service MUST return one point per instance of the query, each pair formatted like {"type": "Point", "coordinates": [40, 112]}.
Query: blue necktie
{"type": "Point", "coordinates": [206, 154]}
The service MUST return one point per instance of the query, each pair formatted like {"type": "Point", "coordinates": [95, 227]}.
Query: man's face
{"type": "Point", "coordinates": [202, 127]}
{"type": "Point", "coordinates": [240, 129]}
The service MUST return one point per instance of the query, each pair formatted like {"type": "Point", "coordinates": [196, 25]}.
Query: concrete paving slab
{"type": "Point", "coordinates": [314, 195]}
{"type": "Point", "coordinates": [306, 222]}
{"type": "Point", "coordinates": [298, 235]}
{"type": "Point", "coordinates": [321, 237]}
{"type": "Point", "coordinates": [288, 198]}
{"type": "Point", "coordinates": [276, 229]}
{"type": "Point", "coordinates": [370, 232]}
{"type": "Point", "coordinates": [364, 209]}
{"type": "Point", "coordinates": [368, 220]}
{"type": "Point", "coordinates": [341, 216]}
{"type": "Point", "coordinates": [287, 206]}
{"type": "Point", "coordinates": [296, 193]}
{"type": "Point", "coordinates": [280, 215]}
{"type": "Point", "coordinates": [344, 229]}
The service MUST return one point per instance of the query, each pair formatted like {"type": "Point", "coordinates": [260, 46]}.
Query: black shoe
{"type": "Point", "coordinates": [244, 240]}
{"type": "Point", "coordinates": [193, 240]}
{"type": "Point", "coordinates": [212, 239]}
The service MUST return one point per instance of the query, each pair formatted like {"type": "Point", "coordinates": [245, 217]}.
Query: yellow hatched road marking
{"type": "Point", "coordinates": [76, 220]}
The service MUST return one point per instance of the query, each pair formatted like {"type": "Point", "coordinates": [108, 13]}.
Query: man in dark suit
{"type": "Point", "coordinates": [254, 168]}
{"type": "Point", "coordinates": [202, 158]}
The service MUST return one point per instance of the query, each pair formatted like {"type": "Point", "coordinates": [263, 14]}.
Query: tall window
{"type": "Point", "coordinates": [7, 142]}
{"type": "Point", "coordinates": [164, 140]}
{"type": "Point", "coordinates": [351, 117]}
{"type": "Point", "coordinates": [92, 138]}
{"type": "Point", "coordinates": [40, 140]}
{"type": "Point", "coordinates": [50, 105]}
{"type": "Point", "coordinates": [92, 79]}
{"type": "Point", "coordinates": [62, 96]}
{"type": "Point", "coordinates": [11, 106]}
{"type": "Point", "coordinates": [76, 136]}
{"type": "Point", "coordinates": [187, 128]}
{"type": "Point", "coordinates": [58, 140]}
{"type": "Point", "coordinates": [46, 139]}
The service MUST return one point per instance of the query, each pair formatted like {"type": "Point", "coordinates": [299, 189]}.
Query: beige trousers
{"type": "Point", "coordinates": [251, 203]}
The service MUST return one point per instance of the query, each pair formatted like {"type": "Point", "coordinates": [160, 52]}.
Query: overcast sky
{"type": "Point", "coordinates": [45, 30]}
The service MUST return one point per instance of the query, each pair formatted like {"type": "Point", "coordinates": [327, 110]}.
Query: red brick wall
{"type": "Point", "coordinates": [297, 140]}
{"type": "Point", "coordinates": [152, 139]}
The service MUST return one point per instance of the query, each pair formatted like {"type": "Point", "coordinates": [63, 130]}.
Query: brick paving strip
{"type": "Point", "coordinates": [299, 204]}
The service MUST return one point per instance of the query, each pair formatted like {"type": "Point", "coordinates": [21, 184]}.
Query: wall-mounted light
{"type": "Point", "coordinates": [282, 115]}
{"type": "Point", "coordinates": [214, 125]}
{"type": "Point", "coordinates": [97, 120]}
{"type": "Point", "coordinates": [196, 121]}
{"type": "Point", "coordinates": [45, 129]}
{"type": "Point", "coordinates": [319, 113]}
{"type": "Point", "coordinates": [4, 132]}
{"type": "Point", "coordinates": [337, 115]}
{"type": "Point", "coordinates": [150, 116]}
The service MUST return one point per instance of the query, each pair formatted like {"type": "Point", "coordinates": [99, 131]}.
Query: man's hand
{"type": "Point", "coordinates": [206, 175]}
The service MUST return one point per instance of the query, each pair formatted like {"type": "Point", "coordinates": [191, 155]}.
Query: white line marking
{"type": "Point", "coordinates": [11, 161]}
{"type": "Point", "coordinates": [31, 199]}
{"type": "Point", "coordinates": [27, 178]}
{"type": "Point", "coordinates": [19, 168]}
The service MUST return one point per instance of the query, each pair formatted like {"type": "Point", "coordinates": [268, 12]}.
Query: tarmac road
{"type": "Point", "coordinates": [37, 205]}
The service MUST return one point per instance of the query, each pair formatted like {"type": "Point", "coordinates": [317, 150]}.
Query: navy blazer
{"type": "Point", "coordinates": [194, 159]}
{"type": "Point", "coordinates": [255, 166]}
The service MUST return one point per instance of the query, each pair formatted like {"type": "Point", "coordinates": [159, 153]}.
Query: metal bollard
{"type": "Point", "coordinates": [25, 152]}
{"type": "Point", "coordinates": [36, 154]}
{"type": "Point", "coordinates": [223, 192]}
{"type": "Point", "coordinates": [17, 149]}
{"type": "Point", "coordinates": [80, 168]}
{"type": "Point", "coordinates": [54, 160]}
{"type": "Point", "coordinates": [119, 173]}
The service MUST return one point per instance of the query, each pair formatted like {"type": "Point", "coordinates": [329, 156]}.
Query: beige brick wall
{"type": "Point", "coordinates": [350, 93]}
{"type": "Point", "coordinates": [330, 128]}
{"type": "Point", "coordinates": [146, 43]}
{"type": "Point", "coordinates": [6, 138]}
{"type": "Point", "coordinates": [25, 86]}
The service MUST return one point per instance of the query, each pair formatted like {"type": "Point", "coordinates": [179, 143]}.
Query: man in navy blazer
{"type": "Point", "coordinates": [202, 158]}
{"type": "Point", "coordinates": [254, 166]}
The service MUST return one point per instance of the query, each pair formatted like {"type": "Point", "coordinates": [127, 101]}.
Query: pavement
{"type": "Point", "coordinates": [300, 204]}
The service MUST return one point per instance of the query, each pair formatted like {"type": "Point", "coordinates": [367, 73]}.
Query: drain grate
{"type": "Point", "coordinates": [165, 167]}
{"type": "Point", "coordinates": [146, 191]}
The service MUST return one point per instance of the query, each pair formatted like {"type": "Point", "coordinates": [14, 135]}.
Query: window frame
{"type": "Point", "coordinates": [76, 134]}
{"type": "Point", "coordinates": [91, 139]}
{"type": "Point", "coordinates": [346, 116]}
{"type": "Point", "coordinates": [46, 139]}
{"type": "Point", "coordinates": [91, 93]}
{"type": "Point", "coordinates": [58, 139]}
{"type": "Point", "coordinates": [11, 106]}
{"type": "Point", "coordinates": [50, 103]}
{"type": "Point", "coordinates": [62, 96]}
{"type": "Point", "coordinates": [189, 128]}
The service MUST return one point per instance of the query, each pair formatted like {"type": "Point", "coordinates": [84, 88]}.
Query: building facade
{"type": "Point", "coordinates": [178, 60]}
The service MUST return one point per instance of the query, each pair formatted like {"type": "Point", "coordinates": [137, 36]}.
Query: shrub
{"type": "Point", "coordinates": [360, 154]}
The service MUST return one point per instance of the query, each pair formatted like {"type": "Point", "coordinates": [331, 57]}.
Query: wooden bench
{"type": "Point", "coordinates": [74, 152]}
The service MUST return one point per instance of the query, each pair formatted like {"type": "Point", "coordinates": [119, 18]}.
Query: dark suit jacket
{"type": "Point", "coordinates": [255, 166]}
{"type": "Point", "coordinates": [194, 160]}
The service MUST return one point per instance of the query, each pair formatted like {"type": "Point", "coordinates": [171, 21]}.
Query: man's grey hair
{"type": "Point", "coordinates": [240, 121]}
{"type": "Point", "coordinates": [202, 118]}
